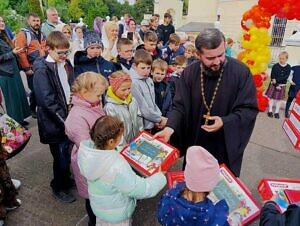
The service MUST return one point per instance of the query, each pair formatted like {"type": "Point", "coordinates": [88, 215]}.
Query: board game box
{"type": "Point", "coordinates": [242, 206]}
{"type": "Point", "coordinates": [268, 188]}
{"type": "Point", "coordinates": [147, 155]}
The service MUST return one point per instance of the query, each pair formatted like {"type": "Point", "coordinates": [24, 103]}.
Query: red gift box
{"type": "Point", "coordinates": [295, 120]}
{"type": "Point", "coordinates": [242, 206]}
{"type": "Point", "coordinates": [292, 195]}
{"type": "Point", "coordinates": [147, 155]}
{"type": "Point", "coordinates": [268, 188]}
{"type": "Point", "coordinates": [292, 133]}
{"type": "Point", "coordinates": [296, 108]}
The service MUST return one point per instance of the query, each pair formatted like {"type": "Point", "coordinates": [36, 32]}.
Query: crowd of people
{"type": "Point", "coordinates": [93, 91]}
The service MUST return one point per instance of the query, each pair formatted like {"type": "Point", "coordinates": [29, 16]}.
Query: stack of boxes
{"type": "Point", "coordinates": [291, 125]}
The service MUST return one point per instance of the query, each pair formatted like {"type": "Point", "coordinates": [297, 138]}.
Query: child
{"type": "Point", "coordinates": [276, 90]}
{"type": "Point", "coordinates": [168, 51]}
{"type": "Point", "coordinates": [179, 65]}
{"type": "Point", "coordinates": [53, 76]}
{"type": "Point", "coordinates": [125, 54]}
{"type": "Point", "coordinates": [150, 45]}
{"type": "Point", "coordinates": [294, 79]}
{"type": "Point", "coordinates": [87, 90]}
{"type": "Point", "coordinates": [8, 192]}
{"type": "Point", "coordinates": [166, 28]}
{"type": "Point", "coordinates": [187, 204]}
{"type": "Point", "coordinates": [121, 104]}
{"type": "Point", "coordinates": [270, 215]}
{"type": "Point", "coordinates": [189, 53]}
{"type": "Point", "coordinates": [142, 89]}
{"type": "Point", "coordinates": [229, 44]}
{"type": "Point", "coordinates": [162, 90]}
{"type": "Point", "coordinates": [113, 186]}
{"type": "Point", "coordinates": [90, 59]}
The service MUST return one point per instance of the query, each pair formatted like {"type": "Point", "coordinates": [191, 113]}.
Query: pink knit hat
{"type": "Point", "coordinates": [201, 171]}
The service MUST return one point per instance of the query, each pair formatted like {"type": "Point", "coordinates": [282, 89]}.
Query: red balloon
{"type": "Point", "coordinates": [262, 103]}
{"type": "Point", "coordinates": [257, 80]}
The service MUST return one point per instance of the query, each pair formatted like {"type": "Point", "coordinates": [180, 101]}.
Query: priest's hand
{"type": "Point", "coordinates": [165, 134]}
{"type": "Point", "coordinates": [218, 124]}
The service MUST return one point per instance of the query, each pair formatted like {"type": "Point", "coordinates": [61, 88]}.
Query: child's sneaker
{"type": "Point", "coordinates": [14, 206]}
{"type": "Point", "coordinates": [270, 114]}
{"type": "Point", "coordinates": [276, 115]}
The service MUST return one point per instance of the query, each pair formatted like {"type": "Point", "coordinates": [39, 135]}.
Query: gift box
{"type": "Point", "coordinates": [242, 206]}
{"type": "Point", "coordinates": [292, 195]}
{"type": "Point", "coordinates": [147, 155]}
{"type": "Point", "coordinates": [295, 120]}
{"type": "Point", "coordinates": [268, 188]}
{"type": "Point", "coordinates": [296, 108]}
{"type": "Point", "coordinates": [292, 133]}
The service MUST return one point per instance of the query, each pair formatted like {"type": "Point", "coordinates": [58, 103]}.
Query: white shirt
{"type": "Point", "coordinates": [63, 77]}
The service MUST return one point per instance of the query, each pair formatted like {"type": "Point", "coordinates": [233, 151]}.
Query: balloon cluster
{"type": "Point", "coordinates": [255, 39]}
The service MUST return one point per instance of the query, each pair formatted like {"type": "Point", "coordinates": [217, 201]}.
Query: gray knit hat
{"type": "Point", "coordinates": [91, 38]}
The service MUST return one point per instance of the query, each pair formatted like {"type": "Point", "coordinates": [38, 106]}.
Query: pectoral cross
{"type": "Point", "coordinates": [206, 118]}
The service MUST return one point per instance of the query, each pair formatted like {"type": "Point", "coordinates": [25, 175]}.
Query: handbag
{"type": "Point", "coordinates": [14, 136]}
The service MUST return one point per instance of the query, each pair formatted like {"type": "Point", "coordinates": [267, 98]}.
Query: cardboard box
{"type": "Point", "coordinates": [292, 133]}
{"type": "Point", "coordinates": [296, 108]}
{"type": "Point", "coordinates": [268, 188]}
{"type": "Point", "coordinates": [147, 155]}
{"type": "Point", "coordinates": [295, 120]}
{"type": "Point", "coordinates": [241, 203]}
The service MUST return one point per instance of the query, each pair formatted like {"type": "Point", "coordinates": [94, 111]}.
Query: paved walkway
{"type": "Point", "coordinates": [269, 154]}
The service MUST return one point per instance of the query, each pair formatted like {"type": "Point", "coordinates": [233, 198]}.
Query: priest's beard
{"type": "Point", "coordinates": [208, 72]}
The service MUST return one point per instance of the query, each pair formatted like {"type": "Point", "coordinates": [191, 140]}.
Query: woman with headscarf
{"type": "Point", "coordinates": [10, 80]}
{"type": "Point", "coordinates": [98, 25]}
{"type": "Point", "coordinates": [132, 34]}
{"type": "Point", "coordinates": [75, 44]}
{"type": "Point", "coordinates": [109, 39]}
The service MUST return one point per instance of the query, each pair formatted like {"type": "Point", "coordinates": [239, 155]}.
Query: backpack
{"type": "Point", "coordinates": [27, 33]}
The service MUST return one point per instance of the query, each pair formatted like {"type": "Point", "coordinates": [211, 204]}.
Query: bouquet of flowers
{"type": "Point", "coordinates": [14, 136]}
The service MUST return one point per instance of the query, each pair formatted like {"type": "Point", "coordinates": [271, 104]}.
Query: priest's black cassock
{"type": "Point", "coordinates": [235, 103]}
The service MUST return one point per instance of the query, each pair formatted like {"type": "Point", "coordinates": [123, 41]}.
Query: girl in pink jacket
{"type": "Point", "coordinates": [86, 108]}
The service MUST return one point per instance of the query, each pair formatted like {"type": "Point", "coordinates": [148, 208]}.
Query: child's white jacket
{"type": "Point", "coordinates": [112, 184]}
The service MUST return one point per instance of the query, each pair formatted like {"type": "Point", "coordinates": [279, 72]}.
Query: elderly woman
{"type": "Point", "coordinates": [10, 81]}
{"type": "Point", "coordinates": [109, 39]}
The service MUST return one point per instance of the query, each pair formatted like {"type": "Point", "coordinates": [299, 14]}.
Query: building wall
{"type": "Point", "coordinates": [202, 10]}
{"type": "Point", "coordinates": [174, 6]}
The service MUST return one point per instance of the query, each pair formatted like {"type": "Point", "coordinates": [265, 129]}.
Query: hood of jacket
{"type": "Point", "coordinates": [134, 75]}
{"type": "Point", "coordinates": [88, 159]}
{"type": "Point", "coordinates": [79, 102]}
{"type": "Point", "coordinates": [205, 212]}
{"type": "Point", "coordinates": [112, 98]}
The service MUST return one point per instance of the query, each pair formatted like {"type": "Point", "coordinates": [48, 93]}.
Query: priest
{"type": "Point", "coordinates": [214, 105]}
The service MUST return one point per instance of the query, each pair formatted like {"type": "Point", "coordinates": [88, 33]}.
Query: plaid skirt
{"type": "Point", "coordinates": [274, 93]}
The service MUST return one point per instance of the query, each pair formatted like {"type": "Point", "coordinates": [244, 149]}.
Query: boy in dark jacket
{"type": "Point", "coordinates": [53, 77]}
{"type": "Point", "coordinates": [270, 215]}
{"type": "Point", "coordinates": [90, 58]}
{"type": "Point", "coordinates": [162, 90]}
{"type": "Point", "coordinates": [150, 45]}
{"type": "Point", "coordinates": [179, 65]}
{"type": "Point", "coordinates": [125, 55]}
{"type": "Point", "coordinates": [168, 51]}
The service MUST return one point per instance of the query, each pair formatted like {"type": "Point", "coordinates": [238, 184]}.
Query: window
{"type": "Point", "coordinates": [278, 31]}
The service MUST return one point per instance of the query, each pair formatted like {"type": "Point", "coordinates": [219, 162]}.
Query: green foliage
{"type": "Point", "coordinates": [114, 8]}
{"type": "Point", "coordinates": [185, 7]}
{"type": "Point", "coordinates": [3, 5]}
{"type": "Point", "coordinates": [93, 8]}
{"type": "Point", "coordinates": [74, 11]}
{"type": "Point", "coordinates": [143, 7]}
{"type": "Point", "coordinates": [34, 6]}
{"type": "Point", "coordinates": [13, 20]}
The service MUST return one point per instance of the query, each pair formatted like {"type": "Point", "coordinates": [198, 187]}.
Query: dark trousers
{"type": "Point", "coordinates": [287, 106]}
{"type": "Point", "coordinates": [92, 217]}
{"type": "Point", "coordinates": [32, 101]}
{"type": "Point", "coordinates": [61, 166]}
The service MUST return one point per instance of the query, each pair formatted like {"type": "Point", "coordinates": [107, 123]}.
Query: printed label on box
{"type": "Point", "coordinates": [278, 187]}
